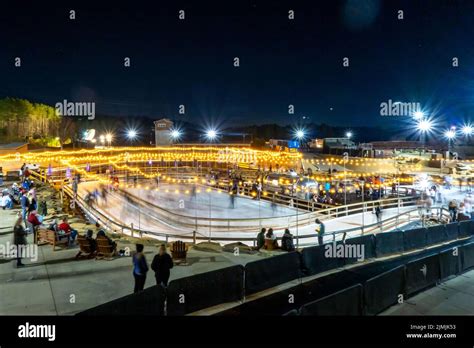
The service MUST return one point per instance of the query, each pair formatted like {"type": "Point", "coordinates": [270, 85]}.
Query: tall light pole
{"type": "Point", "coordinates": [467, 130]}
{"type": "Point", "coordinates": [211, 134]}
{"type": "Point", "coordinates": [345, 158]}
{"type": "Point", "coordinates": [424, 126]}
{"type": "Point", "coordinates": [450, 134]}
{"type": "Point", "coordinates": [109, 137]}
{"type": "Point", "coordinates": [300, 134]}
{"type": "Point", "coordinates": [132, 134]}
{"type": "Point", "coordinates": [363, 205]}
{"type": "Point", "coordinates": [175, 135]}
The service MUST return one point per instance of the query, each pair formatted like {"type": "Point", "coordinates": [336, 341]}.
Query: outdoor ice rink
{"type": "Point", "coordinates": [146, 217]}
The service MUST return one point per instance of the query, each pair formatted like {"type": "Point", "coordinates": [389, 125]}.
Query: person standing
{"type": "Point", "coordinates": [452, 209]}
{"type": "Point", "coordinates": [140, 268]}
{"type": "Point", "coordinates": [261, 238]}
{"type": "Point", "coordinates": [19, 239]}
{"type": "Point", "coordinates": [320, 229]}
{"type": "Point", "coordinates": [287, 241]}
{"type": "Point", "coordinates": [161, 265]}
{"type": "Point", "coordinates": [259, 190]}
{"type": "Point", "coordinates": [378, 213]}
{"type": "Point", "coordinates": [25, 203]}
{"type": "Point", "coordinates": [35, 222]}
{"type": "Point", "coordinates": [75, 186]}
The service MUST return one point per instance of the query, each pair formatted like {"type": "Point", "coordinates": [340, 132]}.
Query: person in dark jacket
{"type": "Point", "coordinates": [19, 239]}
{"type": "Point", "coordinates": [25, 203]}
{"type": "Point", "coordinates": [140, 268]}
{"type": "Point", "coordinates": [321, 230]}
{"type": "Point", "coordinates": [162, 263]}
{"type": "Point", "coordinates": [101, 233]}
{"type": "Point", "coordinates": [261, 239]}
{"type": "Point", "coordinates": [287, 241]}
{"type": "Point", "coordinates": [91, 240]}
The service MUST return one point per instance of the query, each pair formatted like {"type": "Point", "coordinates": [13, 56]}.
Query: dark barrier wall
{"type": "Point", "coordinates": [275, 270]}
{"type": "Point", "coordinates": [436, 235]}
{"type": "Point", "coordinates": [344, 302]}
{"type": "Point", "coordinates": [382, 291]}
{"type": "Point", "coordinates": [414, 239]}
{"type": "Point", "coordinates": [368, 243]}
{"type": "Point", "coordinates": [275, 304]}
{"type": "Point", "coordinates": [315, 260]}
{"type": "Point", "coordinates": [422, 273]}
{"type": "Point", "coordinates": [466, 228]}
{"type": "Point", "coordinates": [147, 302]}
{"type": "Point", "coordinates": [467, 256]}
{"type": "Point", "coordinates": [452, 231]}
{"type": "Point", "coordinates": [190, 294]}
{"type": "Point", "coordinates": [388, 243]}
{"type": "Point", "coordinates": [449, 263]}
{"type": "Point", "coordinates": [329, 284]}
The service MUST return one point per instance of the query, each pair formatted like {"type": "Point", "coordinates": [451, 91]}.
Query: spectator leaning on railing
{"type": "Point", "coordinates": [320, 229]}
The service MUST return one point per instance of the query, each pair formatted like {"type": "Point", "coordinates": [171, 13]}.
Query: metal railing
{"type": "Point", "coordinates": [114, 225]}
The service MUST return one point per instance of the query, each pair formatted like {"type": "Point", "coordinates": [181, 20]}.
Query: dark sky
{"type": "Point", "coordinates": [283, 62]}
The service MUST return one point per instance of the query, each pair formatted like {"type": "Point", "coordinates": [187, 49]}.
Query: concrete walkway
{"type": "Point", "coordinates": [452, 297]}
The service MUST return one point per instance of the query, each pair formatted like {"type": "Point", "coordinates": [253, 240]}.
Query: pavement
{"type": "Point", "coordinates": [452, 297]}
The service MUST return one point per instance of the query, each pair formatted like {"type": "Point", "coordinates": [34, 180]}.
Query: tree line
{"type": "Point", "coordinates": [22, 119]}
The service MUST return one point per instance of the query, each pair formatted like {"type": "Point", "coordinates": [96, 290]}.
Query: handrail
{"type": "Point", "coordinates": [117, 226]}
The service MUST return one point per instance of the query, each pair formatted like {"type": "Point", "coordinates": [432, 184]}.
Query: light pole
{"type": "Point", "coordinates": [363, 205]}
{"type": "Point", "coordinates": [211, 134]}
{"type": "Point", "coordinates": [300, 135]}
{"type": "Point", "coordinates": [132, 134]}
{"type": "Point", "coordinates": [109, 137]}
{"type": "Point", "coordinates": [424, 126]}
{"type": "Point", "coordinates": [345, 158]}
{"type": "Point", "coordinates": [450, 134]}
{"type": "Point", "coordinates": [175, 135]}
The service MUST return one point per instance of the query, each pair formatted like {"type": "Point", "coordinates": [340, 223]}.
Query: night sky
{"type": "Point", "coordinates": [282, 61]}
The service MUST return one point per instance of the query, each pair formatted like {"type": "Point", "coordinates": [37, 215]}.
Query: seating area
{"type": "Point", "coordinates": [86, 250]}
{"type": "Point", "coordinates": [104, 249]}
{"type": "Point", "coordinates": [179, 252]}
{"type": "Point", "coordinates": [54, 238]}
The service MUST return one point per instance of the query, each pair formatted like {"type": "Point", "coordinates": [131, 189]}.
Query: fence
{"type": "Point", "coordinates": [117, 226]}
{"type": "Point", "coordinates": [380, 283]}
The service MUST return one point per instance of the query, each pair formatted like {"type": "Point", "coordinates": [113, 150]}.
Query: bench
{"type": "Point", "coordinates": [53, 238]}
{"type": "Point", "coordinates": [104, 249]}
{"type": "Point", "coordinates": [85, 247]}
{"type": "Point", "coordinates": [179, 251]}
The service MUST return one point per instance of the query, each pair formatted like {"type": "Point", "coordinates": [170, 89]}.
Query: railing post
{"type": "Point", "coordinates": [194, 237]}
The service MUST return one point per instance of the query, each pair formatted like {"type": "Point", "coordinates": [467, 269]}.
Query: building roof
{"type": "Point", "coordinates": [396, 144]}
{"type": "Point", "coordinates": [166, 120]}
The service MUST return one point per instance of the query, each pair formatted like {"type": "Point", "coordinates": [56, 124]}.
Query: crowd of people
{"type": "Point", "coordinates": [267, 240]}
{"type": "Point", "coordinates": [461, 210]}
